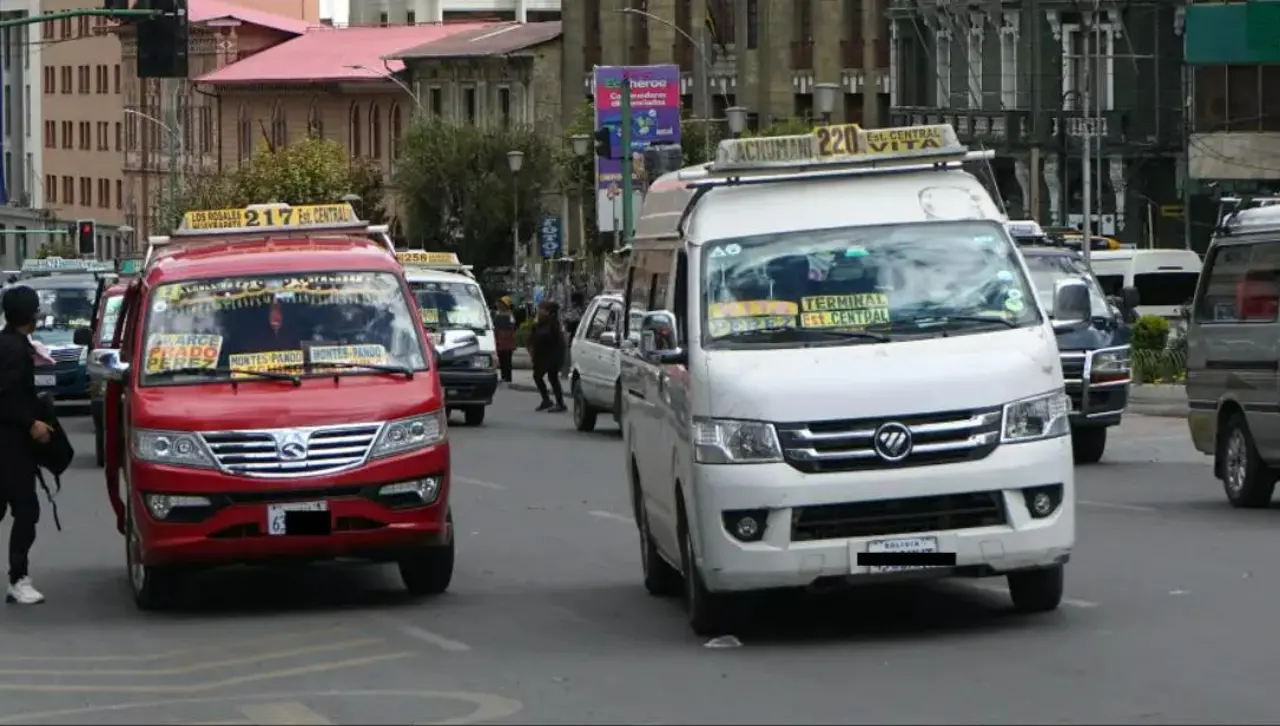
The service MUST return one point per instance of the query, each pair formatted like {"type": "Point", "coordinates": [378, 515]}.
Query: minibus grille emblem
{"type": "Point", "coordinates": [893, 441]}
{"type": "Point", "coordinates": [292, 447]}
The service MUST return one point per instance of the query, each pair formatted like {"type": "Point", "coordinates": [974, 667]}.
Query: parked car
{"type": "Point", "coordinates": [593, 372]}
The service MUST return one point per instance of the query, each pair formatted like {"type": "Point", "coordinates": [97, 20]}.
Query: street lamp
{"type": "Point", "coordinates": [824, 98]}
{"type": "Point", "coordinates": [737, 116]}
{"type": "Point", "coordinates": [391, 76]}
{"type": "Point", "coordinates": [355, 200]}
{"type": "Point", "coordinates": [581, 149]}
{"type": "Point", "coordinates": [515, 162]}
{"type": "Point", "coordinates": [176, 150]}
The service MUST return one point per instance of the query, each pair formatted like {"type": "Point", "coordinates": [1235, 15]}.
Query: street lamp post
{"type": "Point", "coordinates": [515, 162]}
{"type": "Point", "coordinates": [174, 133]}
{"type": "Point", "coordinates": [706, 61]}
{"type": "Point", "coordinates": [581, 149]}
{"type": "Point", "coordinates": [737, 116]}
{"type": "Point", "coordinates": [391, 76]}
{"type": "Point", "coordinates": [824, 97]}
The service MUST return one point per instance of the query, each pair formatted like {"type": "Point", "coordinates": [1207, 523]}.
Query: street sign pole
{"type": "Point", "coordinates": [628, 201]}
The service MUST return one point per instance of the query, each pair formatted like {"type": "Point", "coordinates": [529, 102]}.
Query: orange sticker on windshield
{"type": "Point", "coordinates": [430, 316]}
{"type": "Point", "coordinates": [752, 309]}
{"type": "Point", "coordinates": [169, 352]}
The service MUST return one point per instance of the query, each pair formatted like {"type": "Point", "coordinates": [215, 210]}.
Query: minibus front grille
{"type": "Point", "coordinates": [941, 513]}
{"type": "Point", "coordinates": [850, 445]}
{"type": "Point", "coordinates": [291, 453]}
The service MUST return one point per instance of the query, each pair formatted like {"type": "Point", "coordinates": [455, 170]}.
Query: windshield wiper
{"type": "Point", "coordinates": [921, 321]}
{"type": "Point", "coordinates": [402, 370]}
{"type": "Point", "coordinates": [228, 371]}
{"type": "Point", "coordinates": [800, 332]}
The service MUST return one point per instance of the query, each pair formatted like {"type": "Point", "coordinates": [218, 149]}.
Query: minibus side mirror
{"type": "Point", "coordinates": [105, 365]}
{"type": "Point", "coordinates": [1071, 304]}
{"type": "Point", "coordinates": [660, 338]}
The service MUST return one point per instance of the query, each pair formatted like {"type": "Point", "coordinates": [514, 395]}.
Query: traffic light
{"type": "Point", "coordinates": [163, 40]}
{"type": "Point", "coordinates": [86, 237]}
{"type": "Point", "coordinates": [604, 142]}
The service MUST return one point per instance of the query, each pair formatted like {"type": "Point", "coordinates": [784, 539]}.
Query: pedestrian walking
{"type": "Point", "coordinates": [504, 333]}
{"type": "Point", "coordinates": [547, 347]}
{"type": "Point", "coordinates": [20, 432]}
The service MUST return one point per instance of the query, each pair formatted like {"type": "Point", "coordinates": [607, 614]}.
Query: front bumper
{"type": "Point", "coordinates": [1094, 403]}
{"type": "Point", "coordinates": [794, 554]}
{"type": "Point", "coordinates": [468, 386]}
{"type": "Point", "coordinates": [70, 382]}
{"type": "Point", "coordinates": [234, 530]}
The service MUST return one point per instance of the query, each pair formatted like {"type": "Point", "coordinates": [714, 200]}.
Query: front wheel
{"type": "Point", "coordinates": [708, 611]}
{"type": "Point", "coordinates": [584, 416]}
{"type": "Point", "coordinates": [1036, 591]}
{"type": "Point", "coordinates": [474, 415]}
{"type": "Point", "coordinates": [1247, 481]}
{"type": "Point", "coordinates": [154, 588]}
{"type": "Point", "coordinates": [429, 571]}
{"type": "Point", "coordinates": [1087, 445]}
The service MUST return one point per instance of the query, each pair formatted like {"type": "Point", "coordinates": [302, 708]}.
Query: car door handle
{"type": "Point", "coordinates": [635, 393]}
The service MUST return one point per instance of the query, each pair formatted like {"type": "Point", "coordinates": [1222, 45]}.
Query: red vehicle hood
{"type": "Point", "coordinates": [318, 401]}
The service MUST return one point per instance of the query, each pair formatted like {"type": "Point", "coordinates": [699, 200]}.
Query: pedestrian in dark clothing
{"type": "Point", "coordinates": [547, 347]}
{"type": "Point", "coordinates": [20, 432]}
{"type": "Point", "coordinates": [504, 334]}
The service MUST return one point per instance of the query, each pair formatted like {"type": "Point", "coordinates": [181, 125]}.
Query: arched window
{"type": "Point", "coordinates": [397, 132]}
{"type": "Point", "coordinates": [279, 127]}
{"type": "Point", "coordinates": [375, 132]}
{"type": "Point", "coordinates": [244, 133]}
{"type": "Point", "coordinates": [315, 124]}
{"type": "Point", "coordinates": [355, 139]}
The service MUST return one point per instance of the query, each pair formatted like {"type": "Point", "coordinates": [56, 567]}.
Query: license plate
{"type": "Point", "coordinates": [903, 545]}
{"type": "Point", "coordinates": [278, 515]}
{"type": "Point", "coordinates": [46, 381]}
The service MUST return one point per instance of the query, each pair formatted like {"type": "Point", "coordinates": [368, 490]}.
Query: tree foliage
{"type": "Point", "coordinates": [309, 171]}
{"type": "Point", "coordinates": [65, 249]}
{"type": "Point", "coordinates": [457, 192]}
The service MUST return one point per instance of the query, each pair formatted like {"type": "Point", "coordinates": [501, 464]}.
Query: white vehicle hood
{"type": "Point", "coordinates": [872, 380]}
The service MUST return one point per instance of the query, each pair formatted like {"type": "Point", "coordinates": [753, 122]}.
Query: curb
{"type": "Point", "coordinates": [1167, 410]}
{"type": "Point", "coordinates": [1158, 399]}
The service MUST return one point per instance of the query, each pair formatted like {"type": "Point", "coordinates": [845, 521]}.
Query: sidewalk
{"type": "Point", "coordinates": [1158, 400]}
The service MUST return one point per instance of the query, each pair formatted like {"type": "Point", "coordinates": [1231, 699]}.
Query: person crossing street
{"type": "Point", "coordinates": [547, 348]}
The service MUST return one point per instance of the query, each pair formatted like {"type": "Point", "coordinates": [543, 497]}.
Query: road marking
{"type": "Point", "coordinates": [610, 515]}
{"type": "Point", "coordinates": [479, 483]}
{"type": "Point", "coordinates": [423, 635]}
{"type": "Point", "coordinates": [1113, 505]}
{"type": "Point", "coordinates": [151, 657]}
{"type": "Point", "coordinates": [199, 667]}
{"type": "Point", "coordinates": [487, 706]}
{"type": "Point", "coordinates": [1068, 601]}
{"type": "Point", "coordinates": [201, 687]}
{"type": "Point", "coordinates": [283, 713]}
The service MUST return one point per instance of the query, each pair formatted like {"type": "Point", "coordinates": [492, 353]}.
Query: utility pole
{"type": "Point", "coordinates": [1086, 170]}
{"type": "Point", "coordinates": [628, 200]}
{"type": "Point", "coordinates": [1032, 25]}
{"type": "Point", "coordinates": [870, 73]}
{"type": "Point", "coordinates": [174, 147]}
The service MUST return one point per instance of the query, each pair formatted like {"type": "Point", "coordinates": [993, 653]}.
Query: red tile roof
{"type": "Point", "coordinates": [328, 54]}
{"type": "Point", "coordinates": [202, 11]}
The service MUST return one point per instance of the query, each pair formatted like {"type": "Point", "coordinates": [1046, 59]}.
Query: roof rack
{"type": "Point", "coordinates": [833, 151]}
{"type": "Point", "coordinates": [274, 219]}
{"type": "Point", "coordinates": [65, 266]}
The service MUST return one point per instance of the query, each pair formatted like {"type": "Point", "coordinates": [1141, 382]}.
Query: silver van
{"type": "Point", "coordinates": [1233, 390]}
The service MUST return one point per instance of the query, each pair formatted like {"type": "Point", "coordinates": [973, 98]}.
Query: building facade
{"type": "Point", "coordinates": [1034, 80]}
{"type": "Point", "coordinates": [170, 127]}
{"type": "Point", "coordinates": [765, 55]}
{"type": "Point", "coordinates": [412, 12]}
{"type": "Point", "coordinates": [21, 206]}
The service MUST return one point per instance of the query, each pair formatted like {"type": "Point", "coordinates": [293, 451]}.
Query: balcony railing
{"type": "Point", "coordinates": [994, 128]}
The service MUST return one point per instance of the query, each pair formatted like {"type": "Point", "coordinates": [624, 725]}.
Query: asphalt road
{"type": "Point", "coordinates": [1173, 599]}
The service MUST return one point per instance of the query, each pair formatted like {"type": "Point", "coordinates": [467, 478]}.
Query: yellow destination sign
{"type": "Point", "coordinates": [765, 151]}
{"type": "Point", "coordinates": [311, 215]}
{"type": "Point", "coordinates": [838, 140]}
{"type": "Point", "coordinates": [907, 139]}
{"type": "Point", "coordinates": [844, 311]}
{"type": "Point", "coordinates": [421, 258]}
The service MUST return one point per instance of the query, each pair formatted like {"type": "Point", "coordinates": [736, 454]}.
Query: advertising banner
{"type": "Point", "coordinates": [655, 119]}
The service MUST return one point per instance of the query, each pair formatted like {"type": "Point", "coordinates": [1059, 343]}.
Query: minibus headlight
{"type": "Point", "coordinates": [484, 360]}
{"type": "Point", "coordinates": [1036, 418]}
{"type": "Point", "coordinates": [174, 448]}
{"type": "Point", "coordinates": [409, 434]}
{"type": "Point", "coordinates": [1110, 365]}
{"type": "Point", "coordinates": [726, 441]}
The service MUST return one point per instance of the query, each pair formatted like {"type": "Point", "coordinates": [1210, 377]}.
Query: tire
{"type": "Point", "coordinates": [708, 612]}
{"type": "Point", "coordinates": [617, 402]}
{"type": "Point", "coordinates": [1088, 444]}
{"type": "Point", "coordinates": [1036, 591]}
{"type": "Point", "coordinates": [1247, 481]}
{"type": "Point", "coordinates": [584, 416]}
{"type": "Point", "coordinates": [473, 415]}
{"type": "Point", "coordinates": [100, 448]}
{"type": "Point", "coordinates": [660, 578]}
{"type": "Point", "coordinates": [153, 588]}
{"type": "Point", "coordinates": [428, 571]}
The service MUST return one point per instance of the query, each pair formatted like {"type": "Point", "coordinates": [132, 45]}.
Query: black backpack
{"type": "Point", "coordinates": [54, 456]}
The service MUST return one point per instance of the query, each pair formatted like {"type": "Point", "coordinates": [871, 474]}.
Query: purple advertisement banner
{"type": "Point", "coordinates": [655, 119]}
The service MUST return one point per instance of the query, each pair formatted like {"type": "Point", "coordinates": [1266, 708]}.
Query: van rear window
{"type": "Point", "coordinates": [1166, 288]}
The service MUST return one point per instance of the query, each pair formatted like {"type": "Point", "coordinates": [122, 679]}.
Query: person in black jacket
{"type": "Point", "coordinates": [546, 347]}
{"type": "Point", "coordinates": [20, 432]}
